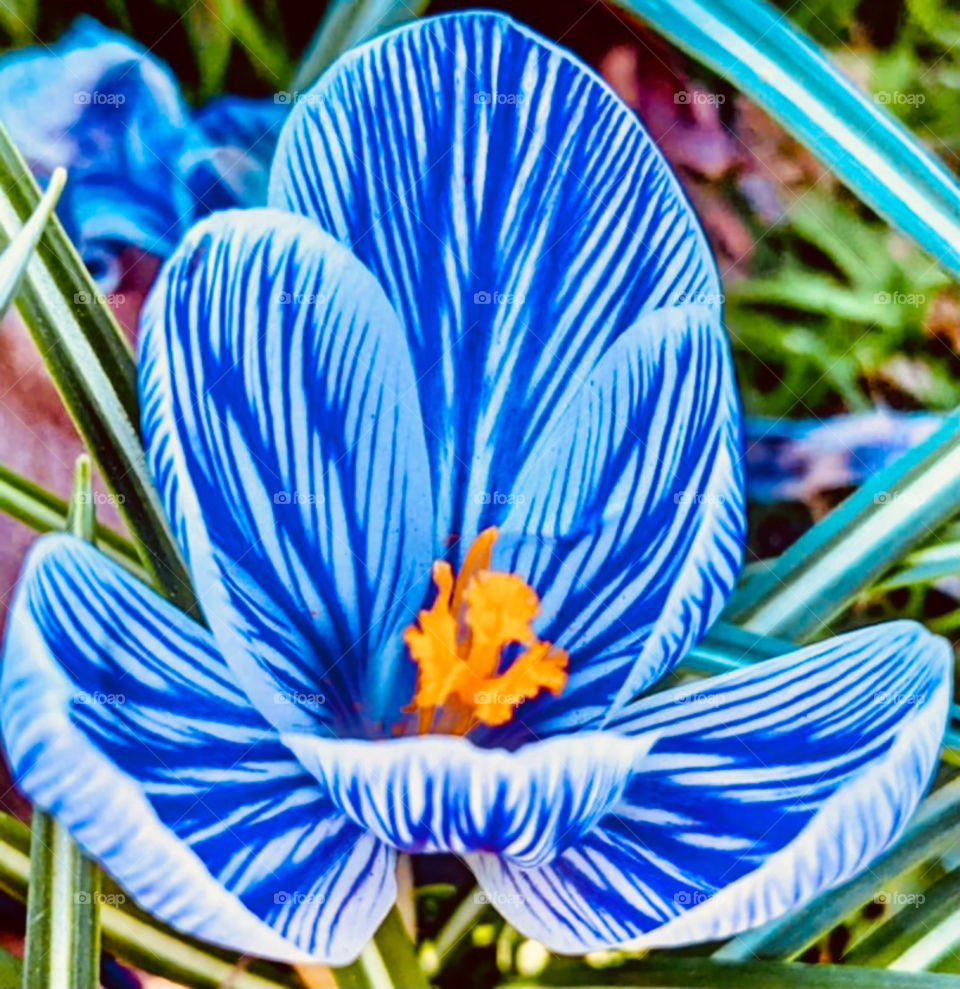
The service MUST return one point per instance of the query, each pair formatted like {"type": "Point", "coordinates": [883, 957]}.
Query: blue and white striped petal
{"type": "Point", "coordinates": [762, 789]}
{"type": "Point", "coordinates": [120, 717]}
{"type": "Point", "coordinates": [518, 216]}
{"type": "Point", "coordinates": [282, 426]}
{"type": "Point", "coordinates": [629, 516]}
{"type": "Point", "coordinates": [441, 793]}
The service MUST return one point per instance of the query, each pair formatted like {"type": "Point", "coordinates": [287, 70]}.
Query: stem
{"type": "Point", "coordinates": [63, 906]}
{"type": "Point", "coordinates": [389, 961]}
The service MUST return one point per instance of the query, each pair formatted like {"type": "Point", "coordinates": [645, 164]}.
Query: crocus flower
{"type": "Point", "coordinates": [450, 442]}
{"type": "Point", "coordinates": [143, 166]}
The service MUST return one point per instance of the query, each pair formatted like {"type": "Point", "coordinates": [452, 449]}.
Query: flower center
{"type": "Point", "coordinates": [457, 643]}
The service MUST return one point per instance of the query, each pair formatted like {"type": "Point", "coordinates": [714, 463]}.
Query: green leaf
{"type": "Point", "coordinates": [924, 567]}
{"type": "Point", "coordinates": [346, 23]}
{"type": "Point", "coordinates": [453, 935]}
{"type": "Point", "coordinates": [907, 927]}
{"type": "Point", "coordinates": [11, 969]}
{"type": "Point", "coordinates": [666, 972]}
{"type": "Point", "coordinates": [267, 55]}
{"type": "Point", "coordinates": [855, 544]}
{"type": "Point", "coordinates": [934, 946]}
{"type": "Point", "coordinates": [92, 366]}
{"type": "Point", "coordinates": [387, 962]}
{"type": "Point", "coordinates": [815, 292]}
{"type": "Point", "coordinates": [727, 647]}
{"type": "Point", "coordinates": [63, 925]}
{"type": "Point", "coordinates": [762, 53]}
{"type": "Point", "coordinates": [933, 831]}
{"type": "Point", "coordinates": [211, 38]}
{"type": "Point", "coordinates": [15, 258]}
{"type": "Point", "coordinates": [19, 19]}
{"type": "Point", "coordinates": [44, 511]}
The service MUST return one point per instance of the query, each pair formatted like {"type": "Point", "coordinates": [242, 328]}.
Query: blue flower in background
{"type": "Point", "coordinates": [450, 441]}
{"type": "Point", "coordinates": [143, 166]}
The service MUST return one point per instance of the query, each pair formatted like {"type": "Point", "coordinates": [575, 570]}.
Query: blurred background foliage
{"type": "Point", "coordinates": [828, 309]}
{"type": "Point", "coordinates": [830, 312]}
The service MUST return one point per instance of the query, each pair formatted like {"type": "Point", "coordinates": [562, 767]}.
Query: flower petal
{"type": "Point", "coordinates": [281, 424]}
{"type": "Point", "coordinates": [515, 211]}
{"type": "Point", "coordinates": [629, 523]}
{"type": "Point", "coordinates": [101, 105]}
{"type": "Point", "coordinates": [764, 788]}
{"type": "Point", "coordinates": [441, 793]}
{"type": "Point", "coordinates": [227, 152]}
{"type": "Point", "coordinates": [120, 718]}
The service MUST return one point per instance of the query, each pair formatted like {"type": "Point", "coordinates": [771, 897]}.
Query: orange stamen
{"type": "Point", "coordinates": [457, 645]}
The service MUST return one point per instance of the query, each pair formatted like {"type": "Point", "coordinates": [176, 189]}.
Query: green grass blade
{"type": "Point", "coordinates": [756, 47]}
{"type": "Point", "coordinates": [346, 23]}
{"type": "Point", "coordinates": [13, 262]}
{"type": "Point", "coordinates": [936, 944]}
{"type": "Point", "coordinates": [933, 831]}
{"type": "Point", "coordinates": [727, 647]}
{"type": "Point", "coordinates": [453, 935]}
{"type": "Point", "coordinates": [855, 544]}
{"type": "Point", "coordinates": [11, 969]}
{"type": "Point", "coordinates": [706, 973]}
{"type": "Point", "coordinates": [63, 926]}
{"type": "Point", "coordinates": [387, 962]}
{"type": "Point", "coordinates": [924, 566]}
{"type": "Point", "coordinates": [268, 56]}
{"type": "Point", "coordinates": [92, 366]}
{"type": "Point", "coordinates": [891, 940]}
{"type": "Point", "coordinates": [43, 511]}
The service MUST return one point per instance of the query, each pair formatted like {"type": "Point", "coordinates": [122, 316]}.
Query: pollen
{"type": "Point", "coordinates": [458, 642]}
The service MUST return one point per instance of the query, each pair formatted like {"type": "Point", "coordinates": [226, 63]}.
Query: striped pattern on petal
{"type": "Point", "coordinates": [282, 427]}
{"type": "Point", "coordinates": [629, 515]}
{"type": "Point", "coordinates": [120, 717]}
{"type": "Point", "coordinates": [518, 216]}
{"type": "Point", "coordinates": [444, 794]}
{"type": "Point", "coordinates": [764, 788]}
